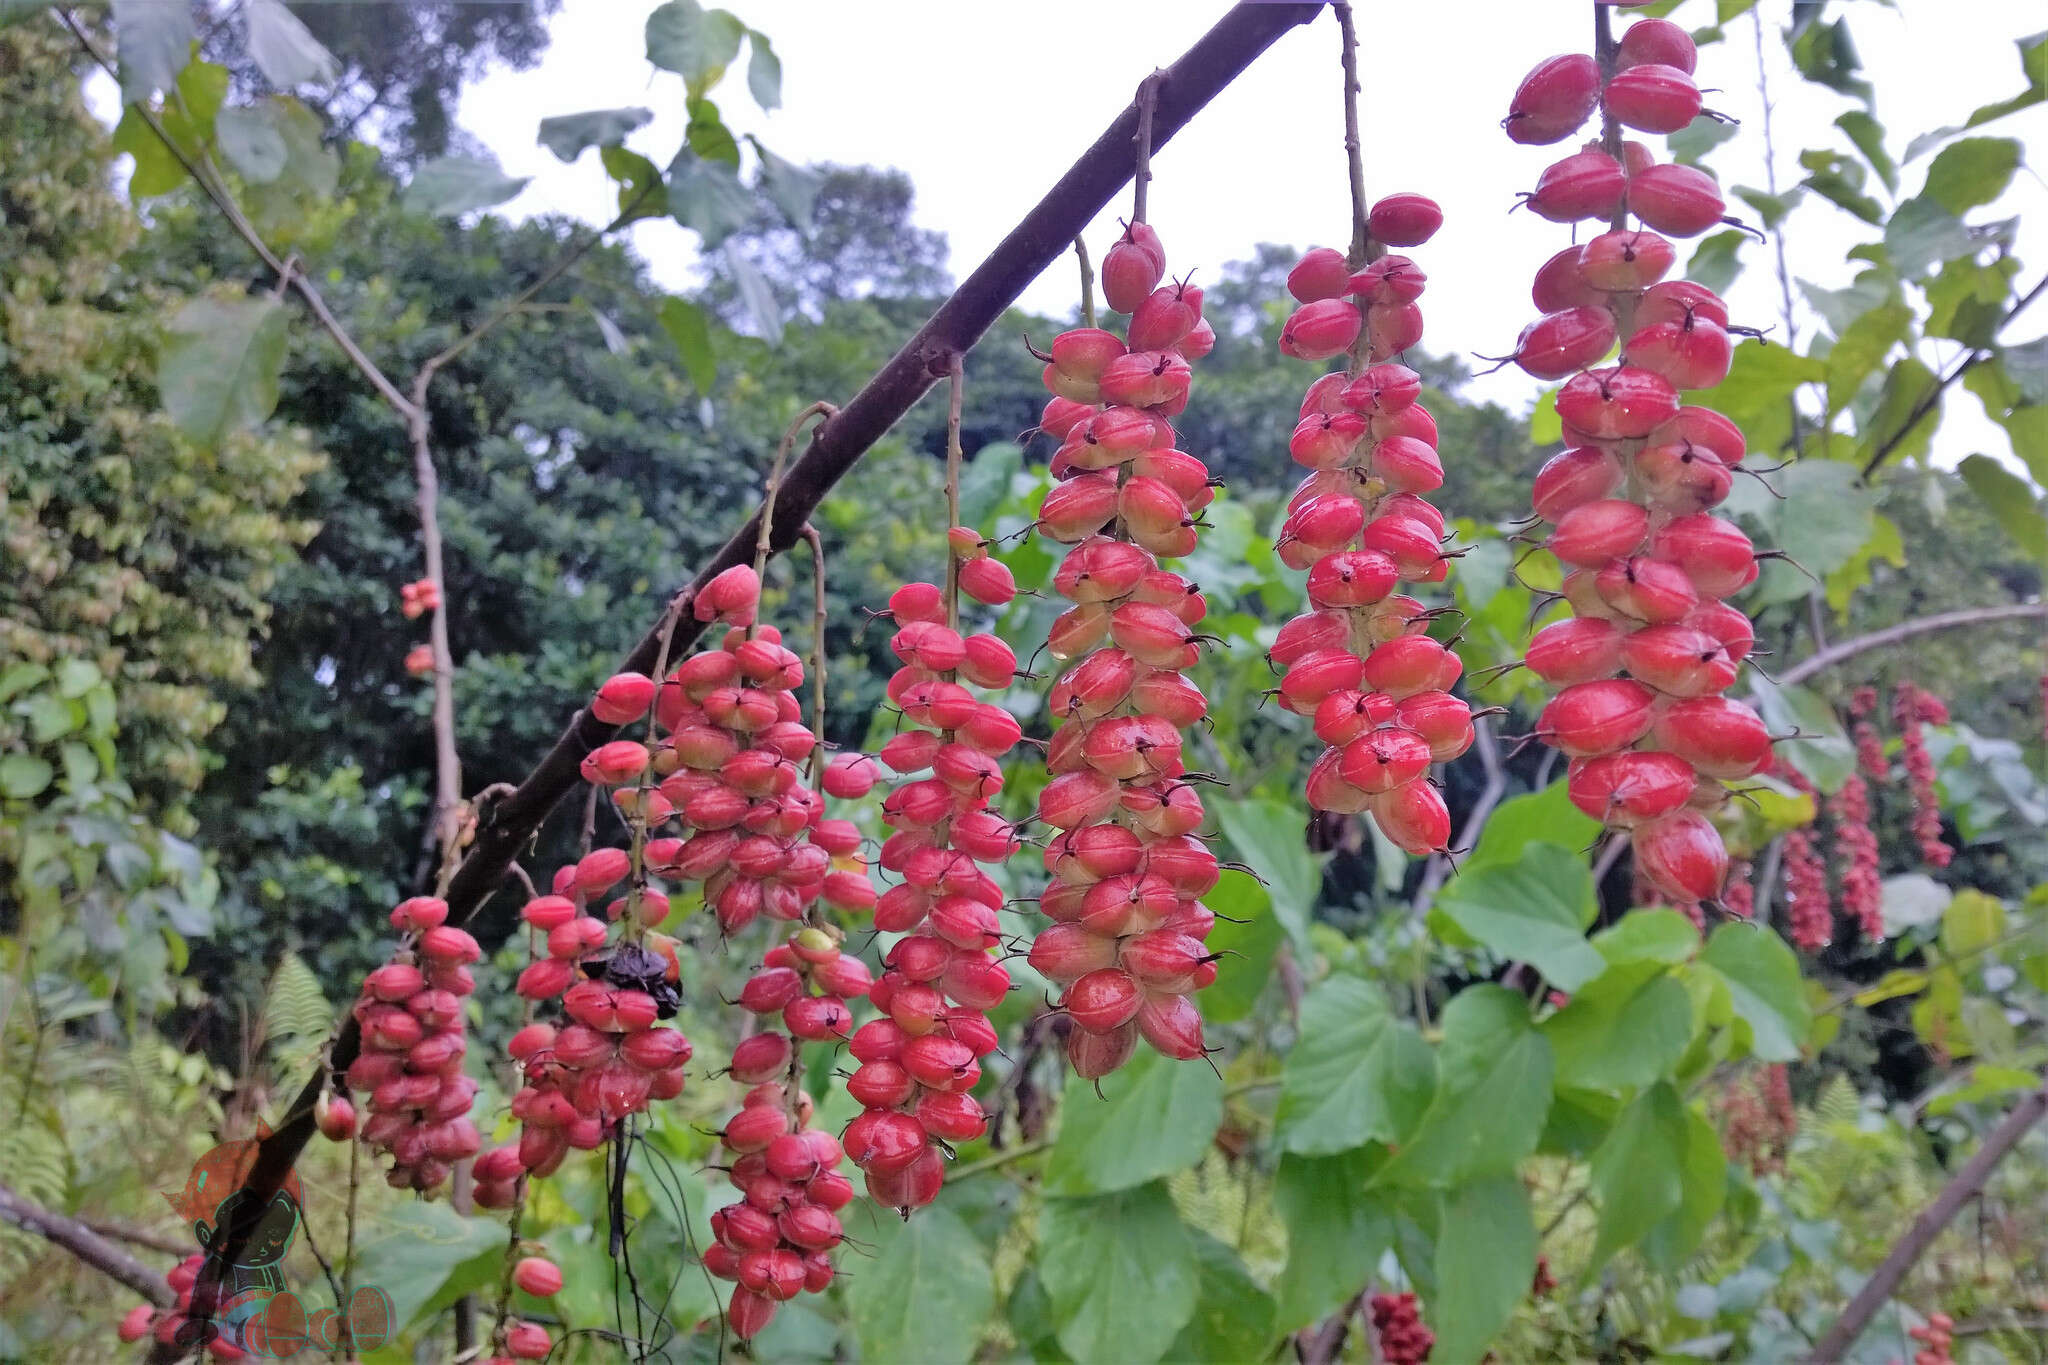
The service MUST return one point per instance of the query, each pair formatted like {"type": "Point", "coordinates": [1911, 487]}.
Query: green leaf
{"type": "Point", "coordinates": [1660, 935]}
{"type": "Point", "coordinates": [790, 187]}
{"type": "Point", "coordinates": [218, 367]}
{"type": "Point", "coordinates": [690, 330]}
{"type": "Point", "coordinates": [985, 482]}
{"type": "Point", "coordinates": [707, 197]}
{"type": "Point", "coordinates": [283, 49]}
{"type": "Point", "coordinates": [764, 70]}
{"type": "Point", "coordinates": [1822, 517]}
{"type": "Point", "coordinates": [1762, 975]}
{"type": "Point", "coordinates": [1120, 1273]}
{"type": "Point", "coordinates": [569, 135]}
{"type": "Point", "coordinates": [1485, 1259]}
{"type": "Point", "coordinates": [1717, 260]}
{"type": "Point", "coordinates": [2027, 366]}
{"type": "Point", "coordinates": [251, 143]}
{"type": "Point", "coordinates": [2011, 502]}
{"type": "Point", "coordinates": [1966, 301]}
{"type": "Point", "coordinates": [1825, 754]}
{"type": "Point", "coordinates": [1254, 938]}
{"type": "Point", "coordinates": [1272, 839]}
{"type": "Point", "coordinates": [1356, 1073]}
{"type": "Point", "coordinates": [1336, 1232]}
{"type": "Point", "coordinates": [758, 297]}
{"type": "Point", "coordinates": [1825, 53]}
{"type": "Point", "coordinates": [153, 41]}
{"type": "Point", "coordinates": [1234, 1318]}
{"type": "Point", "coordinates": [1840, 181]}
{"type": "Point", "coordinates": [188, 115]}
{"type": "Point", "coordinates": [1492, 1094]}
{"type": "Point", "coordinates": [707, 135]}
{"type": "Point", "coordinates": [1900, 420]}
{"type": "Point", "coordinates": [1535, 909]}
{"type": "Point", "coordinates": [426, 1256]}
{"type": "Point", "coordinates": [925, 1291]}
{"type": "Point", "coordinates": [695, 43]}
{"type": "Point", "coordinates": [1861, 348]}
{"type": "Point", "coordinates": [1840, 307]}
{"type": "Point", "coordinates": [2033, 67]}
{"type": "Point", "coordinates": [24, 775]}
{"type": "Point", "coordinates": [1177, 1105]}
{"type": "Point", "coordinates": [312, 171]}
{"type": "Point", "coordinates": [1772, 208]}
{"type": "Point", "coordinates": [1868, 135]}
{"type": "Point", "coordinates": [157, 168]}
{"type": "Point", "coordinates": [1545, 426]}
{"type": "Point", "coordinates": [50, 717]}
{"type": "Point", "coordinates": [1757, 395]}
{"type": "Point", "coordinates": [1921, 234]}
{"type": "Point", "coordinates": [1692, 142]}
{"type": "Point", "coordinates": [1547, 816]}
{"type": "Point", "coordinates": [1623, 1030]}
{"type": "Point", "coordinates": [1637, 1172]}
{"type": "Point", "coordinates": [1971, 172]}
{"type": "Point", "coordinates": [452, 185]}
{"type": "Point", "coordinates": [1703, 1181]}
{"type": "Point", "coordinates": [1972, 923]}
{"type": "Point", "coordinates": [76, 677]}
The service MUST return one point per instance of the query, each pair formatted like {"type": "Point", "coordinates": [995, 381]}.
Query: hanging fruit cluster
{"type": "Point", "coordinates": [1913, 709]}
{"type": "Point", "coordinates": [1360, 663]}
{"type": "Point", "coordinates": [1652, 645]}
{"type": "Point", "coordinates": [1127, 873]}
{"type": "Point", "coordinates": [1397, 1326]}
{"type": "Point", "coordinates": [414, 1040]}
{"type": "Point", "coordinates": [918, 1062]}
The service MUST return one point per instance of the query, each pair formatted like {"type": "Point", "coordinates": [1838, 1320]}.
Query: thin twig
{"type": "Point", "coordinates": [817, 544]}
{"type": "Point", "coordinates": [773, 487]}
{"type": "Point", "coordinates": [955, 385]}
{"type": "Point", "coordinates": [1087, 283]}
{"type": "Point", "coordinates": [1354, 147]}
{"type": "Point", "coordinates": [1965, 1185]}
{"type": "Point", "coordinates": [1844, 650]}
{"type": "Point", "coordinates": [1141, 178]}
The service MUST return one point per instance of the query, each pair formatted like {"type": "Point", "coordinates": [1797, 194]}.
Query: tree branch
{"type": "Point", "coordinates": [87, 1245]}
{"type": "Point", "coordinates": [1215, 60]}
{"type": "Point", "coordinates": [141, 1237]}
{"type": "Point", "coordinates": [1932, 398]}
{"type": "Point", "coordinates": [1844, 650]}
{"type": "Point", "coordinates": [1964, 1186]}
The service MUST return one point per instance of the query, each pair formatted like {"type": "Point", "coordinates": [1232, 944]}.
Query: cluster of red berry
{"type": "Point", "coordinates": [417, 598]}
{"type": "Point", "coordinates": [1913, 709]}
{"type": "Point", "coordinates": [777, 1241]}
{"type": "Point", "coordinates": [1126, 942]}
{"type": "Point", "coordinates": [1937, 1338]}
{"type": "Point", "coordinates": [414, 1032]}
{"type": "Point", "coordinates": [1397, 1324]}
{"type": "Point", "coordinates": [1759, 1119]}
{"type": "Point", "coordinates": [1652, 643]}
{"type": "Point", "coordinates": [1360, 663]}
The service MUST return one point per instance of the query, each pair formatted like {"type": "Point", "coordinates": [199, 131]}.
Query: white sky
{"type": "Point", "coordinates": [984, 105]}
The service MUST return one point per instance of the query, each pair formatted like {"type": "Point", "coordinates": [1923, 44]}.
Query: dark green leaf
{"type": "Point", "coordinates": [1764, 985]}
{"type": "Point", "coordinates": [568, 135]}
{"type": "Point", "coordinates": [1638, 1172]}
{"type": "Point", "coordinates": [1485, 1258]}
{"type": "Point", "coordinates": [1868, 135]}
{"type": "Point", "coordinates": [1908, 409]}
{"type": "Point", "coordinates": [283, 49]}
{"type": "Point", "coordinates": [1660, 935]}
{"type": "Point", "coordinates": [708, 198]}
{"type": "Point", "coordinates": [755, 293]}
{"type": "Point", "coordinates": [689, 329]}
{"type": "Point", "coordinates": [1716, 261]}
{"type": "Point", "coordinates": [642, 193]}
{"type": "Point", "coordinates": [1840, 181]}
{"type": "Point", "coordinates": [1703, 1171]}
{"type": "Point", "coordinates": [764, 70]}
{"type": "Point", "coordinates": [1336, 1232]}
{"type": "Point", "coordinates": [924, 1292]}
{"type": "Point", "coordinates": [1254, 939]}
{"type": "Point", "coordinates": [790, 187]}
{"type": "Point", "coordinates": [1547, 816]}
{"type": "Point", "coordinates": [453, 185]}
{"type": "Point", "coordinates": [1966, 301]}
{"type": "Point", "coordinates": [153, 41]}
{"type": "Point", "coordinates": [1177, 1105]}
{"type": "Point", "coordinates": [1233, 1319]}
{"type": "Point", "coordinates": [695, 43]}
{"type": "Point", "coordinates": [1120, 1273]}
{"type": "Point", "coordinates": [218, 368]}
{"type": "Point", "coordinates": [1356, 1073]}
{"type": "Point", "coordinates": [1921, 234]}
{"type": "Point", "coordinates": [1625, 1029]}
{"type": "Point", "coordinates": [1493, 1090]}
{"type": "Point", "coordinates": [1826, 54]}
{"type": "Point", "coordinates": [251, 143]}
{"type": "Point", "coordinates": [1757, 395]}
{"type": "Point", "coordinates": [1272, 839]}
{"type": "Point", "coordinates": [1971, 172]}
{"type": "Point", "coordinates": [427, 1255]}
{"type": "Point", "coordinates": [2011, 502]}
{"type": "Point", "coordinates": [1535, 909]}
{"type": "Point", "coordinates": [707, 135]}
{"type": "Point", "coordinates": [985, 482]}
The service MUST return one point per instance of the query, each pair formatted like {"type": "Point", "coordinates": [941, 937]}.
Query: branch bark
{"type": "Point", "coordinates": [87, 1245]}
{"type": "Point", "coordinates": [1964, 1186]}
{"type": "Point", "coordinates": [1844, 650]}
{"type": "Point", "coordinates": [1216, 59]}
